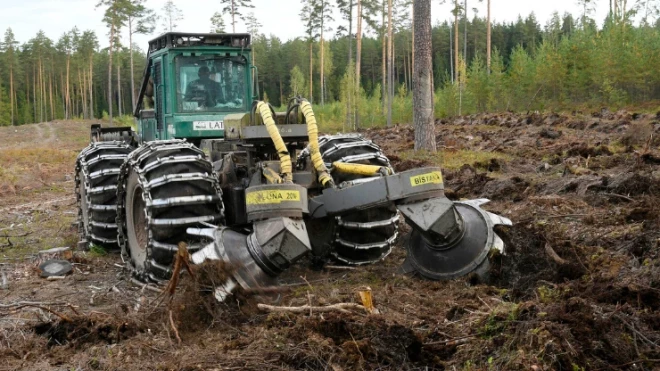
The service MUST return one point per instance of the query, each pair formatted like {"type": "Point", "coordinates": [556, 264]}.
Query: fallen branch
{"type": "Point", "coordinates": [340, 268]}
{"type": "Point", "coordinates": [38, 306]}
{"type": "Point", "coordinates": [619, 196]}
{"type": "Point", "coordinates": [146, 285]}
{"type": "Point", "coordinates": [341, 307]}
{"type": "Point", "coordinates": [17, 235]}
{"type": "Point", "coordinates": [181, 260]}
{"type": "Point", "coordinates": [55, 278]}
{"type": "Point", "coordinates": [54, 250]}
{"type": "Point", "coordinates": [31, 303]}
{"type": "Point", "coordinates": [452, 342]}
{"type": "Point", "coordinates": [176, 332]}
{"type": "Point", "coordinates": [553, 255]}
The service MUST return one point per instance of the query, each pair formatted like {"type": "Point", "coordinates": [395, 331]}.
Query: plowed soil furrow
{"type": "Point", "coordinates": [578, 288]}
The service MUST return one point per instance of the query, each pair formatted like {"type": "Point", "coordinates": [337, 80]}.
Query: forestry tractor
{"type": "Point", "coordinates": [214, 168]}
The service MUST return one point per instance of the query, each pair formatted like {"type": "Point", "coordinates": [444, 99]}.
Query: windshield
{"type": "Point", "coordinates": [211, 84]}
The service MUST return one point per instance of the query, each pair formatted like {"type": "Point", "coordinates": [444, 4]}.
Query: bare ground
{"type": "Point", "coordinates": [578, 288]}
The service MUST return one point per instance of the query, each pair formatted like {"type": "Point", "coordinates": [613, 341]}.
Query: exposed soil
{"type": "Point", "coordinates": [577, 289]}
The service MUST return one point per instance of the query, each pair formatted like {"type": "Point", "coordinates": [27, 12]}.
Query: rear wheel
{"type": "Point", "coordinates": [363, 236]}
{"type": "Point", "coordinates": [97, 170]}
{"type": "Point", "coordinates": [165, 187]}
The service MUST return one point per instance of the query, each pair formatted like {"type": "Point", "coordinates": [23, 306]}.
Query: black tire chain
{"type": "Point", "coordinates": [101, 160]}
{"type": "Point", "coordinates": [157, 266]}
{"type": "Point", "coordinates": [332, 150]}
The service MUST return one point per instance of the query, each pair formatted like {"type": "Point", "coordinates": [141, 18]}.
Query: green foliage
{"type": "Point", "coordinates": [5, 117]}
{"type": "Point", "coordinates": [126, 120]}
{"type": "Point", "coordinates": [570, 64]}
{"type": "Point", "coordinates": [297, 86]}
{"type": "Point", "coordinates": [217, 23]}
{"type": "Point", "coordinates": [96, 250]}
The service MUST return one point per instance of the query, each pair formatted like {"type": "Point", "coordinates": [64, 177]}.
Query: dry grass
{"type": "Point", "coordinates": [455, 159]}
{"type": "Point", "coordinates": [38, 159]}
{"type": "Point", "coordinates": [37, 168]}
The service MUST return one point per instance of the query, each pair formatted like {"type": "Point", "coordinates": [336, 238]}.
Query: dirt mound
{"type": "Point", "coordinates": [79, 331]}
{"type": "Point", "coordinates": [355, 342]}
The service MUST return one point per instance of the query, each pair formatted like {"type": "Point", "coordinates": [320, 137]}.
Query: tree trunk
{"type": "Point", "coordinates": [322, 68]}
{"type": "Point", "coordinates": [233, 17]}
{"type": "Point", "coordinates": [423, 116]}
{"type": "Point", "coordinates": [41, 94]}
{"type": "Point", "coordinates": [465, 20]}
{"type": "Point", "coordinates": [130, 51]}
{"type": "Point", "coordinates": [34, 94]}
{"type": "Point", "coordinates": [90, 86]}
{"type": "Point", "coordinates": [11, 90]}
{"type": "Point", "coordinates": [456, 41]}
{"type": "Point", "coordinates": [349, 113]}
{"type": "Point", "coordinates": [63, 87]}
{"type": "Point", "coordinates": [412, 67]}
{"type": "Point", "coordinates": [27, 87]}
{"type": "Point", "coordinates": [119, 105]}
{"type": "Point", "coordinates": [488, 39]}
{"type": "Point", "coordinates": [350, 30]}
{"type": "Point", "coordinates": [390, 69]}
{"type": "Point", "coordinates": [451, 56]}
{"type": "Point", "coordinates": [311, 71]}
{"type": "Point", "coordinates": [67, 93]}
{"type": "Point", "coordinates": [405, 71]}
{"type": "Point", "coordinates": [50, 90]}
{"type": "Point", "coordinates": [384, 72]}
{"type": "Point", "coordinates": [358, 61]}
{"type": "Point", "coordinates": [112, 36]}
{"type": "Point", "coordinates": [81, 91]}
{"type": "Point", "coordinates": [44, 101]}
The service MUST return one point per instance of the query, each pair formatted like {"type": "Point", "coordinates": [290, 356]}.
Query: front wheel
{"type": "Point", "coordinates": [165, 187]}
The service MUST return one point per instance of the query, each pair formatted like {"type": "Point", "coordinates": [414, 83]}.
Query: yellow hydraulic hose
{"type": "Point", "coordinates": [280, 147]}
{"type": "Point", "coordinates": [361, 169]}
{"type": "Point", "coordinates": [313, 133]}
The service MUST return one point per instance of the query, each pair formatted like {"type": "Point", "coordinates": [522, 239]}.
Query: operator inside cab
{"type": "Point", "coordinates": [206, 92]}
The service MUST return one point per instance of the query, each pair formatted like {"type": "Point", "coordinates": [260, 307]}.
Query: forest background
{"type": "Point", "coordinates": [573, 62]}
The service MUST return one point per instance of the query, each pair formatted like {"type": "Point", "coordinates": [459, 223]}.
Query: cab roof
{"type": "Point", "coordinates": [181, 39]}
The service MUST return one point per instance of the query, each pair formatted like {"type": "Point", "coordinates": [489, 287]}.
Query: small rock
{"type": "Point", "coordinates": [545, 167]}
{"type": "Point", "coordinates": [550, 133]}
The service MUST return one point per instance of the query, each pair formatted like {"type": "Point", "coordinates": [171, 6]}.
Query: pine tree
{"type": "Point", "coordinates": [346, 10]}
{"type": "Point", "coordinates": [9, 49]}
{"type": "Point", "coordinates": [86, 48]}
{"type": "Point", "coordinates": [489, 47]}
{"type": "Point", "coordinates": [65, 45]}
{"type": "Point", "coordinates": [390, 69]}
{"type": "Point", "coordinates": [115, 18]}
{"type": "Point", "coordinates": [323, 11]}
{"type": "Point", "coordinates": [140, 21]}
{"type": "Point", "coordinates": [312, 24]}
{"type": "Point", "coordinates": [217, 23]}
{"type": "Point", "coordinates": [234, 8]}
{"type": "Point", "coordinates": [171, 16]}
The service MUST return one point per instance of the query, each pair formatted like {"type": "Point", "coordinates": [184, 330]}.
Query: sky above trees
{"type": "Point", "coordinates": [280, 17]}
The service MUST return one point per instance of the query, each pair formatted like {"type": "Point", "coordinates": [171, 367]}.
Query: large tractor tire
{"type": "Point", "coordinates": [165, 187]}
{"type": "Point", "coordinates": [363, 236]}
{"type": "Point", "coordinates": [97, 170]}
